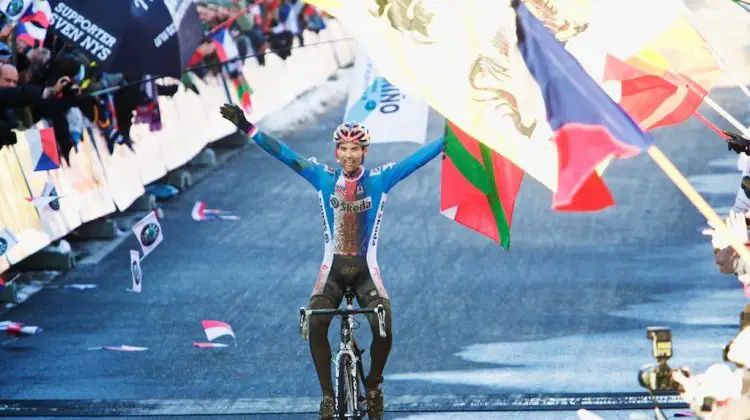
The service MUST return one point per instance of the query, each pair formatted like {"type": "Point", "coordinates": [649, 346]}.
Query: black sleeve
{"type": "Point", "coordinates": [166, 90]}
{"type": "Point", "coordinates": [20, 96]}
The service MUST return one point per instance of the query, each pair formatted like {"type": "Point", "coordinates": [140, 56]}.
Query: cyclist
{"type": "Point", "coordinates": [352, 200]}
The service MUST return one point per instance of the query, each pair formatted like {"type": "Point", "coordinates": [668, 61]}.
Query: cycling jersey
{"type": "Point", "coordinates": [351, 207]}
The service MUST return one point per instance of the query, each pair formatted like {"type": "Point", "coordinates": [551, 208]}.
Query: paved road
{"type": "Point", "coordinates": [564, 311]}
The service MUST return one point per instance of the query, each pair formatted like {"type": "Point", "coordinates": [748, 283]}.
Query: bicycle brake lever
{"type": "Point", "coordinates": [303, 322]}
{"type": "Point", "coordinates": [380, 311]}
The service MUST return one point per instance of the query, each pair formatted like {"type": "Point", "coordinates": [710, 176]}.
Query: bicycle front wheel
{"type": "Point", "coordinates": [346, 398]}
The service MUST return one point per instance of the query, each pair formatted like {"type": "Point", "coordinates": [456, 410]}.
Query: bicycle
{"type": "Point", "coordinates": [348, 400]}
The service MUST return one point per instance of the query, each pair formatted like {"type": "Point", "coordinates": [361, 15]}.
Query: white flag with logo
{"type": "Point", "coordinates": [14, 9]}
{"type": "Point", "coordinates": [148, 232]}
{"type": "Point", "coordinates": [48, 197]}
{"type": "Point", "coordinates": [390, 114]}
{"type": "Point", "coordinates": [7, 241]}
{"type": "Point", "coordinates": [135, 271]}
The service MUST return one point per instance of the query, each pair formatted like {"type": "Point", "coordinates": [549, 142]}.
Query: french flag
{"type": "Point", "coordinates": [588, 125]}
{"type": "Point", "coordinates": [43, 149]}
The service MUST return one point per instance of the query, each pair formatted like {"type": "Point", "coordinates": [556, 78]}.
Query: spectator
{"type": "Point", "coordinates": [8, 76]}
{"type": "Point", "coordinates": [5, 55]}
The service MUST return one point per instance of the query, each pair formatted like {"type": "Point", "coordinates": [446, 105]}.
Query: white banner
{"type": "Point", "coordinates": [390, 114]}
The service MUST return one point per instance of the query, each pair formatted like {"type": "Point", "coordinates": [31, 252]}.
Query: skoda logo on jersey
{"type": "Point", "coordinates": [3, 246]}
{"type": "Point", "coordinates": [335, 203]}
{"type": "Point", "coordinates": [149, 234]}
{"type": "Point", "coordinates": [357, 206]}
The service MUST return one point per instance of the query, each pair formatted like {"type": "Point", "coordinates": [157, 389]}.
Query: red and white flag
{"type": "Point", "coordinates": [216, 329]}
{"type": "Point", "coordinates": [201, 213]}
{"type": "Point", "coordinates": [18, 329]}
{"type": "Point", "coordinates": [204, 345]}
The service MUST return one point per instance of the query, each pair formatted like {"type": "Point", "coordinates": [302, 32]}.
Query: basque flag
{"type": "Point", "coordinates": [588, 125]}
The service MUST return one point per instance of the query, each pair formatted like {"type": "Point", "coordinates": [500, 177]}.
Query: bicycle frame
{"type": "Point", "coordinates": [347, 348]}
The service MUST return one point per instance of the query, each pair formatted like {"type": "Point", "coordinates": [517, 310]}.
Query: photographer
{"type": "Point", "coordinates": [726, 258]}
{"type": "Point", "coordinates": [720, 393]}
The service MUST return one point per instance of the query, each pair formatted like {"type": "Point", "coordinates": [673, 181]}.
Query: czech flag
{"type": "Point", "coordinates": [589, 127]}
{"type": "Point", "coordinates": [43, 149]}
{"type": "Point", "coordinates": [33, 24]}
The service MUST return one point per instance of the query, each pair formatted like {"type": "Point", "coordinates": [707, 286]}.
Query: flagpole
{"type": "Point", "coordinates": [699, 202]}
{"type": "Point", "coordinates": [727, 116]}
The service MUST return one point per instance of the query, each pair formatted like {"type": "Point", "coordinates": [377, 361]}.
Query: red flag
{"type": "Point", "coordinates": [479, 187]}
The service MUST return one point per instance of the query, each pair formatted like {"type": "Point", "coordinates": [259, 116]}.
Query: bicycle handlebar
{"type": "Point", "coordinates": [304, 316]}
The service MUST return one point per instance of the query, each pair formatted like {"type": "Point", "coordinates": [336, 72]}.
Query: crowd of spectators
{"type": "Point", "coordinates": [53, 81]}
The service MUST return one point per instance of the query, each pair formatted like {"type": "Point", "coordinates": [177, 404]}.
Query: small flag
{"type": "Point", "coordinates": [148, 232]}
{"type": "Point", "coordinates": [198, 209]}
{"type": "Point", "coordinates": [201, 213]}
{"type": "Point", "coordinates": [121, 347]}
{"type": "Point", "coordinates": [43, 149]}
{"type": "Point", "coordinates": [7, 241]}
{"type": "Point", "coordinates": [204, 345]}
{"type": "Point", "coordinates": [18, 329]}
{"type": "Point", "coordinates": [14, 9]}
{"type": "Point", "coordinates": [216, 329]}
{"type": "Point", "coordinates": [135, 271]}
{"type": "Point", "coordinates": [226, 49]}
{"type": "Point", "coordinates": [48, 197]}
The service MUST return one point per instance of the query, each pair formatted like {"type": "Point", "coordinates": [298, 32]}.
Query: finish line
{"type": "Point", "coordinates": [402, 404]}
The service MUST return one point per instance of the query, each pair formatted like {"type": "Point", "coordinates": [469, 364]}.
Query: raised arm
{"type": "Point", "coordinates": [308, 169]}
{"type": "Point", "coordinates": [402, 169]}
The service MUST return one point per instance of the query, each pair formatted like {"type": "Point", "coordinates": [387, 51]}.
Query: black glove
{"type": "Point", "coordinates": [737, 143]}
{"type": "Point", "coordinates": [167, 90]}
{"type": "Point", "coordinates": [7, 136]}
{"type": "Point", "coordinates": [236, 116]}
{"type": "Point", "coordinates": [70, 93]}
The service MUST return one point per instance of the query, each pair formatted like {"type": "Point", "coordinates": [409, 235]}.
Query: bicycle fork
{"type": "Point", "coordinates": [347, 347]}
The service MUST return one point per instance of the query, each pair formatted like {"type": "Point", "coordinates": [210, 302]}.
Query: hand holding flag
{"type": "Point", "coordinates": [736, 227]}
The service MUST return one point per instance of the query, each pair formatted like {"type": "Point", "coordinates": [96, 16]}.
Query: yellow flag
{"type": "Point", "coordinates": [462, 57]}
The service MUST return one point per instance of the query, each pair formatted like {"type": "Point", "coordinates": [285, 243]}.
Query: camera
{"type": "Point", "coordinates": [658, 377]}
{"type": "Point", "coordinates": [737, 143]}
